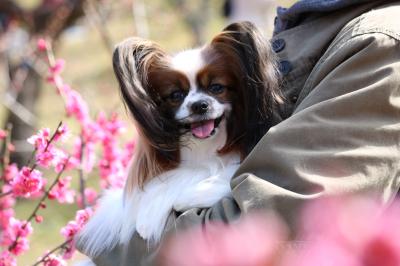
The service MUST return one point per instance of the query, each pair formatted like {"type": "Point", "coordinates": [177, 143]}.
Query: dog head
{"type": "Point", "coordinates": [227, 87]}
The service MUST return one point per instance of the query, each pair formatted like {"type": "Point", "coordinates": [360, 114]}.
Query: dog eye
{"type": "Point", "coordinates": [177, 96]}
{"type": "Point", "coordinates": [216, 88]}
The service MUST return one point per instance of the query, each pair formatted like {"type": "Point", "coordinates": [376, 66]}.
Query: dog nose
{"type": "Point", "coordinates": [200, 107]}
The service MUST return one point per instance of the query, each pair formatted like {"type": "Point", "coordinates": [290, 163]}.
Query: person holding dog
{"type": "Point", "coordinates": [337, 133]}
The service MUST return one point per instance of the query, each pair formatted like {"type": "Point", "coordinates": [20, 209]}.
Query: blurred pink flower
{"type": "Point", "coordinates": [252, 241]}
{"type": "Point", "coordinates": [348, 232]}
{"type": "Point", "coordinates": [62, 133]}
{"type": "Point", "coordinates": [42, 44]}
{"type": "Point", "coordinates": [86, 160]}
{"type": "Point", "coordinates": [104, 130]}
{"type": "Point", "coordinates": [54, 260]}
{"type": "Point", "coordinates": [6, 201]}
{"type": "Point", "coordinates": [58, 67]}
{"type": "Point", "coordinates": [5, 216]}
{"type": "Point", "coordinates": [7, 259]}
{"type": "Point", "coordinates": [61, 161]}
{"type": "Point", "coordinates": [69, 251]}
{"type": "Point", "coordinates": [3, 134]}
{"type": "Point", "coordinates": [19, 229]}
{"type": "Point", "coordinates": [46, 153]}
{"type": "Point", "coordinates": [45, 158]}
{"type": "Point", "coordinates": [27, 182]}
{"type": "Point", "coordinates": [38, 219]}
{"type": "Point", "coordinates": [112, 125]}
{"type": "Point", "coordinates": [62, 191]}
{"type": "Point", "coordinates": [72, 228]}
{"type": "Point", "coordinates": [11, 147]}
{"type": "Point", "coordinates": [90, 197]}
{"type": "Point", "coordinates": [82, 216]}
{"type": "Point", "coordinates": [76, 107]}
{"type": "Point", "coordinates": [41, 139]}
{"type": "Point", "coordinates": [10, 171]}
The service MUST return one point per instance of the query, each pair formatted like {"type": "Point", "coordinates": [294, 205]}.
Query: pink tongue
{"type": "Point", "coordinates": [202, 129]}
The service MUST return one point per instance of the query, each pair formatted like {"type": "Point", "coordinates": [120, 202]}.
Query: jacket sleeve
{"type": "Point", "coordinates": [343, 137]}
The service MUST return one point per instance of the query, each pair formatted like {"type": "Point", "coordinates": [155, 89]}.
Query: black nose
{"type": "Point", "coordinates": [200, 107]}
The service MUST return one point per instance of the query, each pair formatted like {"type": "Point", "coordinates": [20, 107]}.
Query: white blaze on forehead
{"type": "Point", "coordinates": [189, 62]}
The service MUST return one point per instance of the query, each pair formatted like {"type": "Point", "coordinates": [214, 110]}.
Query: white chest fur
{"type": "Point", "coordinates": [202, 179]}
{"type": "Point", "coordinates": [191, 185]}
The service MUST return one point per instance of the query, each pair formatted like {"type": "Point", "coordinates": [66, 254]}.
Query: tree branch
{"type": "Point", "coordinates": [61, 246]}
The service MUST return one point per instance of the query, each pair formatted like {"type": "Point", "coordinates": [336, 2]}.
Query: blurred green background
{"type": "Point", "coordinates": [88, 70]}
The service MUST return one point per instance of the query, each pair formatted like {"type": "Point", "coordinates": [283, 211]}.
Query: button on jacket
{"type": "Point", "coordinates": [338, 133]}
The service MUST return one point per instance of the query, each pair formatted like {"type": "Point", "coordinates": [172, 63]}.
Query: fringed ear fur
{"type": "Point", "coordinates": [247, 49]}
{"type": "Point", "coordinates": [133, 60]}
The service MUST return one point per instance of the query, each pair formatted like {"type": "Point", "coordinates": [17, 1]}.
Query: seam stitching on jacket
{"type": "Point", "coordinates": [307, 88]}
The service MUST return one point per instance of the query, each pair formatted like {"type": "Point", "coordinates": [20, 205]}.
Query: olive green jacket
{"type": "Point", "coordinates": [339, 131]}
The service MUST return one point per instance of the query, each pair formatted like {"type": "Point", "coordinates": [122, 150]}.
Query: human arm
{"type": "Point", "coordinates": [343, 137]}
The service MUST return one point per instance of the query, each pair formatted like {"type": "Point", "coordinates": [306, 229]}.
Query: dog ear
{"type": "Point", "coordinates": [250, 53]}
{"type": "Point", "coordinates": [133, 61]}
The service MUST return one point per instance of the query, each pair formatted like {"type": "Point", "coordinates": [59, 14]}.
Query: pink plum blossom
{"type": "Point", "coordinates": [58, 67]}
{"type": "Point", "coordinates": [3, 134]}
{"type": "Point", "coordinates": [252, 241]}
{"type": "Point", "coordinates": [99, 134]}
{"type": "Point", "coordinates": [113, 125]}
{"type": "Point", "coordinates": [62, 133]}
{"type": "Point", "coordinates": [54, 260]}
{"type": "Point", "coordinates": [41, 139]}
{"type": "Point", "coordinates": [5, 216]}
{"type": "Point", "coordinates": [10, 172]}
{"type": "Point", "coordinates": [76, 106]}
{"type": "Point", "coordinates": [87, 154]}
{"type": "Point", "coordinates": [62, 191]}
{"type": "Point", "coordinates": [348, 232]}
{"type": "Point", "coordinates": [45, 158]}
{"type": "Point", "coordinates": [42, 44]}
{"type": "Point", "coordinates": [90, 197]}
{"type": "Point", "coordinates": [17, 230]}
{"type": "Point", "coordinates": [72, 228]}
{"type": "Point", "coordinates": [60, 159]}
{"type": "Point", "coordinates": [7, 259]}
{"type": "Point", "coordinates": [27, 182]}
{"type": "Point", "coordinates": [38, 219]}
{"type": "Point", "coordinates": [11, 147]}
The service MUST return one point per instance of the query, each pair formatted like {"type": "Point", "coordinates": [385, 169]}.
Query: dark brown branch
{"type": "Point", "coordinates": [5, 193]}
{"type": "Point", "coordinates": [82, 178]}
{"type": "Point", "coordinates": [5, 152]}
{"type": "Point", "coordinates": [61, 246]}
{"type": "Point", "coordinates": [92, 14]}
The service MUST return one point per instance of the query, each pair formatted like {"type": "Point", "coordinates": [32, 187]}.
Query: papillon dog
{"type": "Point", "coordinates": [198, 114]}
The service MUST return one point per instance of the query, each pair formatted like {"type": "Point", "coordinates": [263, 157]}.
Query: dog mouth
{"type": "Point", "coordinates": [204, 128]}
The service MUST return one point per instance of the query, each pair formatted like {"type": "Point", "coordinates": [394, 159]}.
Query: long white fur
{"type": "Point", "coordinates": [146, 211]}
{"type": "Point", "coordinates": [202, 178]}
{"type": "Point", "coordinates": [102, 231]}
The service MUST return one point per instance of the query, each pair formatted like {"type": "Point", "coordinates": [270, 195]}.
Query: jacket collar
{"type": "Point", "coordinates": [290, 17]}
